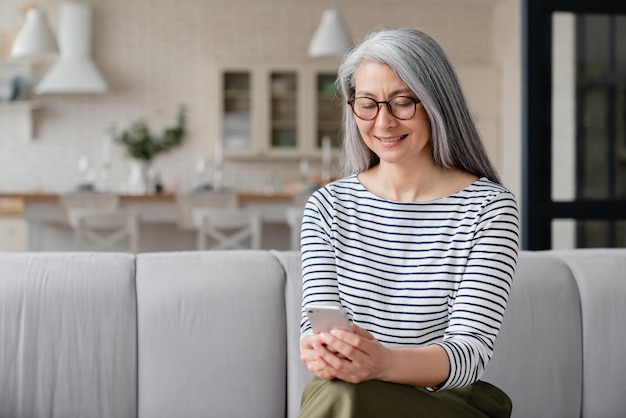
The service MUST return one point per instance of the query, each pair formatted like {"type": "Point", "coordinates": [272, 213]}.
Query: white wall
{"type": "Point", "coordinates": [156, 54]}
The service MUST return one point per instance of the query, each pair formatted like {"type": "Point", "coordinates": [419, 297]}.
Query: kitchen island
{"type": "Point", "coordinates": [48, 229]}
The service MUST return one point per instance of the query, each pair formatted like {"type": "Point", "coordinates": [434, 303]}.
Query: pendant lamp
{"type": "Point", "coordinates": [74, 71]}
{"type": "Point", "coordinates": [332, 37]}
{"type": "Point", "coordinates": [35, 36]}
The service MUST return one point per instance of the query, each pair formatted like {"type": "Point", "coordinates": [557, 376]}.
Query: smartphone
{"type": "Point", "coordinates": [323, 318]}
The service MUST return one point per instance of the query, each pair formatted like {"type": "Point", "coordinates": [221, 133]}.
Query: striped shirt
{"type": "Point", "coordinates": [415, 273]}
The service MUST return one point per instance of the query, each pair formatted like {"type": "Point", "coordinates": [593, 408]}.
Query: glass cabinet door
{"type": "Point", "coordinates": [283, 110]}
{"type": "Point", "coordinates": [236, 110]}
{"type": "Point", "coordinates": [329, 110]}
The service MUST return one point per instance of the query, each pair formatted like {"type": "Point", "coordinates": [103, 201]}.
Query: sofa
{"type": "Point", "coordinates": [215, 334]}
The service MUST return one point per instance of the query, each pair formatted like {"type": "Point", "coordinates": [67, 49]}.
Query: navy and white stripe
{"type": "Point", "coordinates": [417, 273]}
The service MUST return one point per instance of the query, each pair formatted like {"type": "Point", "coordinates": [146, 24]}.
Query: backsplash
{"type": "Point", "coordinates": [157, 54]}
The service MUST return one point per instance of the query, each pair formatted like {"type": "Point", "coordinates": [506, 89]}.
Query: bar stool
{"type": "Point", "coordinates": [99, 224]}
{"type": "Point", "coordinates": [293, 216]}
{"type": "Point", "coordinates": [188, 202]}
{"type": "Point", "coordinates": [222, 229]}
{"type": "Point", "coordinates": [218, 220]}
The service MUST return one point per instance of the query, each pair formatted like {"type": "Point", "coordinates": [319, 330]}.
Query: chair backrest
{"type": "Point", "coordinates": [105, 229]}
{"type": "Point", "coordinates": [186, 204]}
{"type": "Point", "coordinates": [293, 215]}
{"type": "Point", "coordinates": [95, 201]}
{"type": "Point", "coordinates": [221, 229]}
{"type": "Point", "coordinates": [99, 223]}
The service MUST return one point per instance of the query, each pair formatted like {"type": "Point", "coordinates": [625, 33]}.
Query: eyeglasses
{"type": "Point", "coordinates": [400, 107]}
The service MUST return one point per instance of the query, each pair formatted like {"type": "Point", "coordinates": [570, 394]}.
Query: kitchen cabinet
{"type": "Point", "coordinates": [274, 111]}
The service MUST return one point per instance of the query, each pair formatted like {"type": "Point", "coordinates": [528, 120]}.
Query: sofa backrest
{"type": "Point", "coordinates": [211, 332]}
{"type": "Point", "coordinates": [537, 359]}
{"type": "Point", "coordinates": [600, 275]}
{"type": "Point", "coordinates": [297, 374]}
{"type": "Point", "coordinates": [67, 335]}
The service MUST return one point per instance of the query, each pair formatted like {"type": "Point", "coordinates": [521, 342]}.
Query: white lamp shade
{"type": "Point", "coordinates": [34, 37]}
{"type": "Point", "coordinates": [74, 72]}
{"type": "Point", "coordinates": [332, 37]}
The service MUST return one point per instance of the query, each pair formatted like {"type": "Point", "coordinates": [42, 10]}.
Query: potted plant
{"type": "Point", "coordinates": [142, 145]}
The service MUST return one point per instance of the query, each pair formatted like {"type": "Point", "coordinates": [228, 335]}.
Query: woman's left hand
{"type": "Point", "coordinates": [353, 356]}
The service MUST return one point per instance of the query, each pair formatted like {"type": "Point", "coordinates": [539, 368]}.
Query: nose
{"type": "Point", "coordinates": [384, 117]}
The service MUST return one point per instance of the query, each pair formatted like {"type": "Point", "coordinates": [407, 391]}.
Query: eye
{"type": "Point", "coordinates": [402, 102]}
{"type": "Point", "coordinates": [365, 103]}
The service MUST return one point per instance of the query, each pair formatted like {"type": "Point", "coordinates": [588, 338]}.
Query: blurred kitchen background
{"type": "Point", "coordinates": [228, 62]}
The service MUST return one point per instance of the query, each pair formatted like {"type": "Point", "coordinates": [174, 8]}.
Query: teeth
{"type": "Point", "coordinates": [397, 138]}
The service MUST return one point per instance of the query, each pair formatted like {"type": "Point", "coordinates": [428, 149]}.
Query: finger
{"type": "Point", "coordinates": [361, 332]}
{"type": "Point", "coordinates": [341, 351]}
{"type": "Point", "coordinates": [320, 367]}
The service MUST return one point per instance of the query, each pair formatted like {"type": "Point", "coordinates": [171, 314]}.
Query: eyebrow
{"type": "Point", "coordinates": [393, 93]}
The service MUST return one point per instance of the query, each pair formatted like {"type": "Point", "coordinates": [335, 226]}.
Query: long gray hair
{"type": "Point", "coordinates": [423, 66]}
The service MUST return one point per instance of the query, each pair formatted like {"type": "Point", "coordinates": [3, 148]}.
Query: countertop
{"type": "Point", "coordinates": [244, 197]}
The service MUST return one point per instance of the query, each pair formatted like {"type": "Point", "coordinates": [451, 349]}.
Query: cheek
{"type": "Point", "coordinates": [364, 127]}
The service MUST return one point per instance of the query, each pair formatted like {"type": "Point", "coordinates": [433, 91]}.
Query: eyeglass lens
{"type": "Point", "coordinates": [400, 107]}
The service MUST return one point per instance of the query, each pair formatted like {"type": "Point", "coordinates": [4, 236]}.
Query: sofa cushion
{"type": "Point", "coordinates": [211, 329]}
{"type": "Point", "coordinates": [601, 278]}
{"type": "Point", "coordinates": [68, 335]}
{"type": "Point", "coordinates": [297, 373]}
{"type": "Point", "coordinates": [537, 358]}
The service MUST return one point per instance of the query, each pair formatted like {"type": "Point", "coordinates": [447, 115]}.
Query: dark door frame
{"type": "Point", "coordinates": [538, 209]}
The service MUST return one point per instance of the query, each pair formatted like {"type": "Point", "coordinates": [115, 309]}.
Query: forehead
{"type": "Point", "coordinates": [373, 76]}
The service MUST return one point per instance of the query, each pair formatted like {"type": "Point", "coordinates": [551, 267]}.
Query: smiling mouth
{"type": "Point", "coordinates": [392, 139]}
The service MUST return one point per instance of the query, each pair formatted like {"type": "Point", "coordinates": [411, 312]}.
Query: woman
{"type": "Point", "coordinates": [418, 243]}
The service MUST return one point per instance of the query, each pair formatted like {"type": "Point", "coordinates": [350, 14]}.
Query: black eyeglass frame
{"type": "Point", "coordinates": [415, 101]}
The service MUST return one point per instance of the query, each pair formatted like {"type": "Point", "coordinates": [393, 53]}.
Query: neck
{"type": "Point", "coordinates": [409, 185]}
{"type": "Point", "coordinates": [418, 183]}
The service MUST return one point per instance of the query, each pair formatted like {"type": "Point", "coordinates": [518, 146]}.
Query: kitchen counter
{"type": "Point", "coordinates": [243, 197]}
{"type": "Point", "coordinates": [48, 229]}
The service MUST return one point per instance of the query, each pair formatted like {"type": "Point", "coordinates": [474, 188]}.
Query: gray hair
{"type": "Point", "coordinates": [422, 65]}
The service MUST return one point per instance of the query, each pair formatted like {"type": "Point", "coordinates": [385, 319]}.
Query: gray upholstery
{"type": "Point", "coordinates": [538, 358]}
{"type": "Point", "coordinates": [601, 279]}
{"type": "Point", "coordinates": [211, 335]}
{"type": "Point", "coordinates": [67, 336]}
{"type": "Point", "coordinates": [297, 374]}
{"type": "Point", "coordinates": [216, 334]}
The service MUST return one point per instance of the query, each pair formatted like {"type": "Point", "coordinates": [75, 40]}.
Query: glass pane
{"type": "Point", "coordinates": [570, 233]}
{"type": "Point", "coordinates": [588, 107]}
{"type": "Point", "coordinates": [563, 107]}
{"type": "Point", "coordinates": [237, 110]}
{"type": "Point", "coordinates": [620, 33]}
{"type": "Point", "coordinates": [284, 110]}
{"type": "Point", "coordinates": [593, 234]}
{"type": "Point", "coordinates": [596, 43]}
{"type": "Point", "coordinates": [593, 138]}
{"type": "Point", "coordinates": [620, 134]}
{"type": "Point", "coordinates": [329, 110]}
{"type": "Point", "coordinates": [563, 234]}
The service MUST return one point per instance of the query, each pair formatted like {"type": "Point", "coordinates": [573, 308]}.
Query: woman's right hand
{"type": "Point", "coordinates": [311, 349]}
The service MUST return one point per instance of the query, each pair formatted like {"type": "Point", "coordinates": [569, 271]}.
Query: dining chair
{"type": "Point", "coordinates": [219, 221]}
{"type": "Point", "coordinates": [186, 203]}
{"type": "Point", "coordinates": [223, 229]}
{"type": "Point", "coordinates": [99, 224]}
{"type": "Point", "coordinates": [293, 216]}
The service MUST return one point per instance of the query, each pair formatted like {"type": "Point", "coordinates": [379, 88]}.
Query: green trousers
{"type": "Point", "coordinates": [377, 399]}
